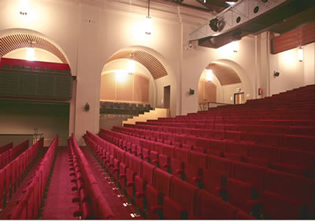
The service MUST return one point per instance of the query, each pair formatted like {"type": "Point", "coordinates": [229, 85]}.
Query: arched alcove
{"type": "Point", "coordinates": [14, 39]}
{"type": "Point", "coordinates": [40, 103]}
{"type": "Point", "coordinates": [229, 84]}
{"type": "Point", "coordinates": [150, 64]}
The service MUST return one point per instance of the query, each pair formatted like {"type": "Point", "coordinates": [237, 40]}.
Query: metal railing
{"type": "Point", "coordinates": [204, 106]}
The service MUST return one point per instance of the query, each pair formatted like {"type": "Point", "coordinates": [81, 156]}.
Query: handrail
{"type": "Point", "coordinates": [204, 106]}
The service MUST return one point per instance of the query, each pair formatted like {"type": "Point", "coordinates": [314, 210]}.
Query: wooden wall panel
{"type": "Point", "coordinates": [300, 36]}
{"type": "Point", "coordinates": [207, 92]}
{"type": "Point", "coordinates": [210, 92]}
{"type": "Point", "coordinates": [124, 89]}
{"type": "Point", "coordinates": [141, 89]}
{"type": "Point", "coordinates": [136, 88]}
{"type": "Point", "coordinates": [108, 82]}
{"type": "Point", "coordinates": [201, 91]}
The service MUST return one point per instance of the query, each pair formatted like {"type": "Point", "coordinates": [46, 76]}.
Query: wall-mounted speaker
{"type": "Point", "coordinates": [191, 91]}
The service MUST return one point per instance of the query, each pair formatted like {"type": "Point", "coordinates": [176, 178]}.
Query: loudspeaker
{"type": "Point", "coordinates": [276, 74]}
{"type": "Point", "coordinates": [191, 91]}
{"type": "Point", "coordinates": [86, 107]}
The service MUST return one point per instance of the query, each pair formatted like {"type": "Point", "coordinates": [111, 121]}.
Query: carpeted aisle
{"type": "Point", "coordinates": [59, 203]}
{"type": "Point", "coordinates": [116, 204]}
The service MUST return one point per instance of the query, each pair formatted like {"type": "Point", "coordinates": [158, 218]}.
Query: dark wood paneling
{"type": "Point", "coordinates": [300, 36]}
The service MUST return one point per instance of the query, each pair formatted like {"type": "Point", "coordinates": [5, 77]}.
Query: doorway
{"type": "Point", "coordinates": [239, 98]}
{"type": "Point", "coordinates": [167, 96]}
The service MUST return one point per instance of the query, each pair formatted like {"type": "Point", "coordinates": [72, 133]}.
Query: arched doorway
{"type": "Point", "coordinates": [143, 85]}
{"type": "Point", "coordinates": [38, 91]}
{"type": "Point", "coordinates": [223, 82]}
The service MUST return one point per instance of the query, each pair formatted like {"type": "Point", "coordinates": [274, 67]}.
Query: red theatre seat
{"type": "Point", "coordinates": [156, 193]}
{"type": "Point", "coordinates": [181, 200]}
{"type": "Point", "coordinates": [211, 207]}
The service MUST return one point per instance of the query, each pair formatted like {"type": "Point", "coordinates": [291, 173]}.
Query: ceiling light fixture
{"type": "Point", "coordinates": [235, 46]}
{"type": "Point", "coordinates": [24, 7]}
{"type": "Point", "coordinates": [148, 22]}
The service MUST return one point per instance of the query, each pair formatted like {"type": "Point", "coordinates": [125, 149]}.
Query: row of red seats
{"type": "Point", "coordinates": [209, 121]}
{"type": "Point", "coordinates": [189, 126]}
{"type": "Point", "coordinates": [6, 147]}
{"type": "Point", "coordinates": [29, 205]}
{"type": "Point", "coordinates": [82, 199]}
{"type": "Point", "coordinates": [155, 192]}
{"type": "Point", "coordinates": [276, 110]}
{"type": "Point", "coordinates": [93, 203]}
{"type": "Point", "coordinates": [246, 186]}
{"type": "Point", "coordinates": [9, 155]}
{"type": "Point", "coordinates": [12, 175]}
{"type": "Point", "coordinates": [294, 161]}
{"type": "Point", "coordinates": [298, 94]}
{"type": "Point", "coordinates": [300, 142]}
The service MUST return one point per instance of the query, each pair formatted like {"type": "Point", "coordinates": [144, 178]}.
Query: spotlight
{"type": "Point", "coordinates": [214, 24]}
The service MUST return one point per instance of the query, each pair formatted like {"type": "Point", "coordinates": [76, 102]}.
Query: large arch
{"type": "Point", "coordinates": [229, 78]}
{"type": "Point", "coordinates": [12, 40]}
{"type": "Point", "coordinates": [153, 65]}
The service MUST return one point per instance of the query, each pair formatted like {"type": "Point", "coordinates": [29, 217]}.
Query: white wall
{"type": "Point", "coordinates": [293, 73]}
{"type": "Point", "coordinates": [309, 64]}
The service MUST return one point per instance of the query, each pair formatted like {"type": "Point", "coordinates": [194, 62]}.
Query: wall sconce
{"type": "Point", "coordinates": [209, 75]}
{"type": "Point", "coordinates": [300, 54]}
{"type": "Point", "coordinates": [86, 106]}
{"type": "Point", "coordinates": [235, 46]}
{"type": "Point", "coordinates": [131, 64]}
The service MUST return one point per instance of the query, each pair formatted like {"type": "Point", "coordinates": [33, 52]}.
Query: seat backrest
{"type": "Point", "coordinates": [264, 152]}
{"type": "Point", "coordinates": [198, 159]}
{"type": "Point", "coordinates": [128, 157]}
{"type": "Point", "coordinates": [203, 142]}
{"type": "Point", "coordinates": [147, 172]}
{"type": "Point", "coordinates": [296, 157]}
{"type": "Point", "coordinates": [252, 174]}
{"type": "Point", "coordinates": [211, 207]}
{"type": "Point", "coordinates": [168, 150]}
{"type": "Point", "coordinates": [238, 147]}
{"type": "Point", "coordinates": [220, 165]}
{"type": "Point", "coordinates": [295, 187]}
{"type": "Point", "coordinates": [181, 154]}
{"type": "Point", "coordinates": [219, 145]}
{"type": "Point", "coordinates": [136, 164]}
{"type": "Point", "coordinates": [162, 181]}
{"type": "Point", "coordinates": [184, 194]}
{"type": "Point", "coordinates": [300, 142]}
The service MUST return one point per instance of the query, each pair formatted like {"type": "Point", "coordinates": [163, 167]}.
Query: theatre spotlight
{"type": "Point", "coordinates": [214, 24]}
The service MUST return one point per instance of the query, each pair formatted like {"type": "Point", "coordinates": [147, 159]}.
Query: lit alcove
{"type": "Point", "coordinates": [23, 114]}
{"type": "Point", "coordinates": [221, 83]}
{"type": "Point", "coordinates": [127, 90]}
